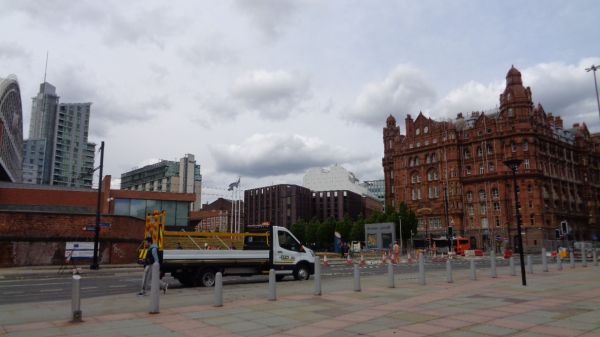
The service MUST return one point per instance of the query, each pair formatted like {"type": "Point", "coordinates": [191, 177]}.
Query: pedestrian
{"type": "Point", "coordinates": [151, 258]}
{"type": "Point", "coordinates": [396, 253]}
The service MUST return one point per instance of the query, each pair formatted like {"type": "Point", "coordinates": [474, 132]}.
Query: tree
{"type": "Point", "coordinates": [299, 230]}
{"type": "Point", "coordinates": [325, 234]}
{"type": "Point", "coordinates": [310, 233]}
{"type": "Point", "coordinates": [344, 227]}
{"type": "Point", "coordinates": [358, 230]}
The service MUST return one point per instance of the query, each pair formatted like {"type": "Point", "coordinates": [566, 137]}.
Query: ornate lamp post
{"type": "Point", "coordinates": [513, 164]}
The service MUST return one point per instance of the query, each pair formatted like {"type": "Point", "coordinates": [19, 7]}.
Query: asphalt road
{"type": "Point", "coordinates": [50, 286]}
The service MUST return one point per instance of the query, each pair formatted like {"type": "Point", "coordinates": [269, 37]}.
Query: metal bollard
{"type": "Point", "coordinates": [544, 260]}
{"type": "Point", "coordinates": [513, 271]}
{"type": "Point", "coordinates": [583, 257]}
{"type": "Point", "coordinates": [572, 258]}
{"type": "Point", "coordinates": [493, 272]}
{"type": "Point", "coordinates": [529, 265]}
{"type": "Point", "coordinates": [272, 286]}
{"type": "Point", "coordinates": [317, 276]}
{"type": "Point", "coordinates": [473, 271]}
{"type": "Point", "coordinates": [422, 280]}
{"type": "Point", "coordinates": [449, 271]}
{"type": "Point", "coordinates": [155, 288]}
{"type": "Point", "coordinates": [559, 263]}
{"type": "Point", "coordinates": [391, 275]}
{"type": "Point", "coordinates": [595, 257]}
{"type": "Point", "coordinates": [219, 290]}
{"type": "Point", "coordinates": [76, 299]}
{"type": "Point", "coordinates": [356, 277]}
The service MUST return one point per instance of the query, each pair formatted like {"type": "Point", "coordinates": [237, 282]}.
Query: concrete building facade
{"type": "Point", "coordinates": [11, 130]}
{"type": "Point", "coordinates": [333, 178]}
{"type": "Point", "coordinates": [452, 172]}
{"type": "Point", "coordinates": [167, 176]}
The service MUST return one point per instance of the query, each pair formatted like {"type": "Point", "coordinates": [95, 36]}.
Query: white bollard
{"type": "Point", "coordinates": [422, 280]}
{"type": "Point", "coordinates": [356, 277]}
{"type": "Point", "coordinates": [317, 276]}
{"type": "Point", "coordinates": [544, 260]}
{"type": "Point", "coordinates": [493, 272]}
{"type": "Point", "coordinates": [473, 271]}
{"type": "Point", "coordinates": [391, 283]}
{"type": "Point", "coordinates": [449, 278]}
{"type": "Point", "coordinates": [559, 263]}
{"type": "Point", "coordinates": [272, 286]}
{"type": "Point", "coordinates": [76, 299]}
{"type": "Point", "coordinates": [513, 271]}
{"type": "Point", "coordinates": [155, 288]}
{"type": "Point", "coordinates": [529, 265]}
{"type": "Point", "coordinates": [219, 290]}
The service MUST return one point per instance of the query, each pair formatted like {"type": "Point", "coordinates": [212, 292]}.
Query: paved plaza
{"type": "Point", "coordinates": [554, 303]}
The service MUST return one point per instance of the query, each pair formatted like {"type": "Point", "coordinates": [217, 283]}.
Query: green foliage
{"type": "Point", "coordinates": [358, 230]}
{"type": "Point", "coordinates": [299, 230]}
{"type": "Point", "coordinates": [344, 227]}
{"type": "Point", "coordinates": [325, 234]}
{"type": "Point", "coordinates": [310, 233]}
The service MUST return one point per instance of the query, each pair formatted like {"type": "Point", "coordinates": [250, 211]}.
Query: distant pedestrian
{"type": "Point", "coordinates": [396, 249]}
{"type": "Point", "coordinates": [151, 258]}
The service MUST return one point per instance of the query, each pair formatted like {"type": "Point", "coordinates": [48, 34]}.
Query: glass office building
{"type": "Point", "coordinates": [177, 211]}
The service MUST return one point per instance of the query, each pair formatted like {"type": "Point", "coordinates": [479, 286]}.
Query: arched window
{"type": "Point", "coordinates": [482, 195]}
{"type": "Point", "coordinates": [432, 175]}
{"type": "Point", "coordinates": [415, 178]}
{"type": "Point", "coordinates": [469, 196]}
{"type": "Point", "coordinates": [495, 194]}
{"type": "Point", "coordinates": [490, 149]}
{"type": "Point", "coordinates": [479, 151]}
{"type": "Point", "coordinates": [416, 161]}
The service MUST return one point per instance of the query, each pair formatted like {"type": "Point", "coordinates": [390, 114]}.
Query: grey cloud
{"type": "Point", "coordinates": [275, 154]}
{"type": "Point", "coordinates": [58, 13]}
{"type": "Point", "coordinates": [13, 51]}
{"type": "Point", "coordinates": [270, 16]}
{"type": "Point", "coordinates": [403, 91]}
{"type": "Point", "coordinates": [109, 108]}
{"type": "Point", "coordinates": [274, 95]}
{"type": "Point", "coordinates": [211, 50]}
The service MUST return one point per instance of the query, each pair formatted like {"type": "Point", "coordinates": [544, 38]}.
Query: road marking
{"type": "Point", "coordinates": [86, 288]}
{"type": "Point", "coordinates": [118, 286]}
{"type": "Point", "coordinates": [32, 284]}
{"type": "Point", "coordinates": [50, 290]}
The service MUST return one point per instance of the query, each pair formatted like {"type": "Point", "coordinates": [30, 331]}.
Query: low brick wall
{"type": "Point", "coordinates": [28, 239]}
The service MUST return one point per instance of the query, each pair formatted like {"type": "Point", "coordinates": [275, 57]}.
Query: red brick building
{"type": "Point", "coordinates": [461, 162]}
{"type": "Point", "coordinates": [37, 220]}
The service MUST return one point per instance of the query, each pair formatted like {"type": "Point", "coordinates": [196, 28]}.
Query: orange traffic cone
{"type": "Point", "coordinates": [325, 262]}
{"type": "Point", "coordinates": [349, 260]}
{"type": "Point", "coordinates": [362, 261]}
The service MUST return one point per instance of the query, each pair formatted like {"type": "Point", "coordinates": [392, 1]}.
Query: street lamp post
{"type": "Point", "coordinates": [513, 164]}
{"type": "Point", "coordinates": [95, 264]}
{"type": "Point", "coordinates": [594, 68]}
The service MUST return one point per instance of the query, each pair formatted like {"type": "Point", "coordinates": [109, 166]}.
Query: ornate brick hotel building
{"type": "Point", "coordinates": [452, 172]}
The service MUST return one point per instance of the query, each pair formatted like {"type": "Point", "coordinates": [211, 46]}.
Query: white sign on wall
{"type": "Point", "coordinates": [79, 250]}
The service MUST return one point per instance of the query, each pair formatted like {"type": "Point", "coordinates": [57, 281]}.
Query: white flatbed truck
{"type": "Point", "coordinates": [197, 264]}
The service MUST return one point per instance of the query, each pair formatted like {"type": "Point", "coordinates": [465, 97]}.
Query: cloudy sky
{"type": "Point", "coordinates": [266, 89]}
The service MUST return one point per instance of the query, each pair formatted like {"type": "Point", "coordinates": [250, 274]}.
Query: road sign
{"type": "Point", "coordinates": [89, 228]}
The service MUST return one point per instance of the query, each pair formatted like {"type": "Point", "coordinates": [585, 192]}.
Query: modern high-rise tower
{"type": "Point", "coordinates": [57, 151]}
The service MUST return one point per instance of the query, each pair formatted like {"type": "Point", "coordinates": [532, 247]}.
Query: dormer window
{"type": "Point", "coordinates": [510, 112]}
{"type": "Point", "coordinates": [418, 131]}
{"type": "Point", "coordinates": [425, 129]}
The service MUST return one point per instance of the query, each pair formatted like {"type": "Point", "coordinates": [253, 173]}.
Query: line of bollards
{"type": "Point", "coordinates": [272, 296]}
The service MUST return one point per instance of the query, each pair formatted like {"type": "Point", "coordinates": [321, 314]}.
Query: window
{"type": "Point", "coordinates": [496, 206]}
{"type": "Point", "coordinates": [481, 169]}
{"type": "Point", "coordinates": [469, 196]}
{"type": "Point", "coordinates": [468, 170]}
{"type": "Point", "coordinates": [418, 131]}
{"type": "Point", "coordinates": [484, 223]}
{"type": "Point", "coordinates": [482, 208]}
{"type": "Point", "coordinates": [432, 175]}
{"type": "Point", "coordinates": [492, 167]}
{"type": "Point", "coordinates": [434, 192]}
{"type": "Point", "coordinates": [510, 110]}
{"type": "Point", "coordinates": [495, 193]}
{"type": "Point", "coordinates": [532, 219]}
{"type": "Point", "coordinates": [526, 163]}
{"type": "Point", "coordinates": [415, 178]}
{"type": "Point", "coordinates": [471, 210]}
{"type": "Point", "coordinates": [414, 194]}
{"type": "Point", "coordinates": [529, 188]}
{"type": "Point", "coordinates": [425, 129]}
{"type": "Point", "coordinates": [482, 196]}
{"type": "Point", "coordinates": [513, 146]}
{"type": "Point", "coordinates": [479, 151]}
{"type": "Point", "coordinates": [490, 149]}
{"type": "Point", "coordinates": [525, 146]}
{"type": "Point", "coordinates": [497, 222]}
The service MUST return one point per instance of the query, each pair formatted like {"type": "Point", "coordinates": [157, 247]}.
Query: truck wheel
{"type": "Point", "coordinates": [302, 272]}
{"type": "Point", "coordinates": [207, 278]}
